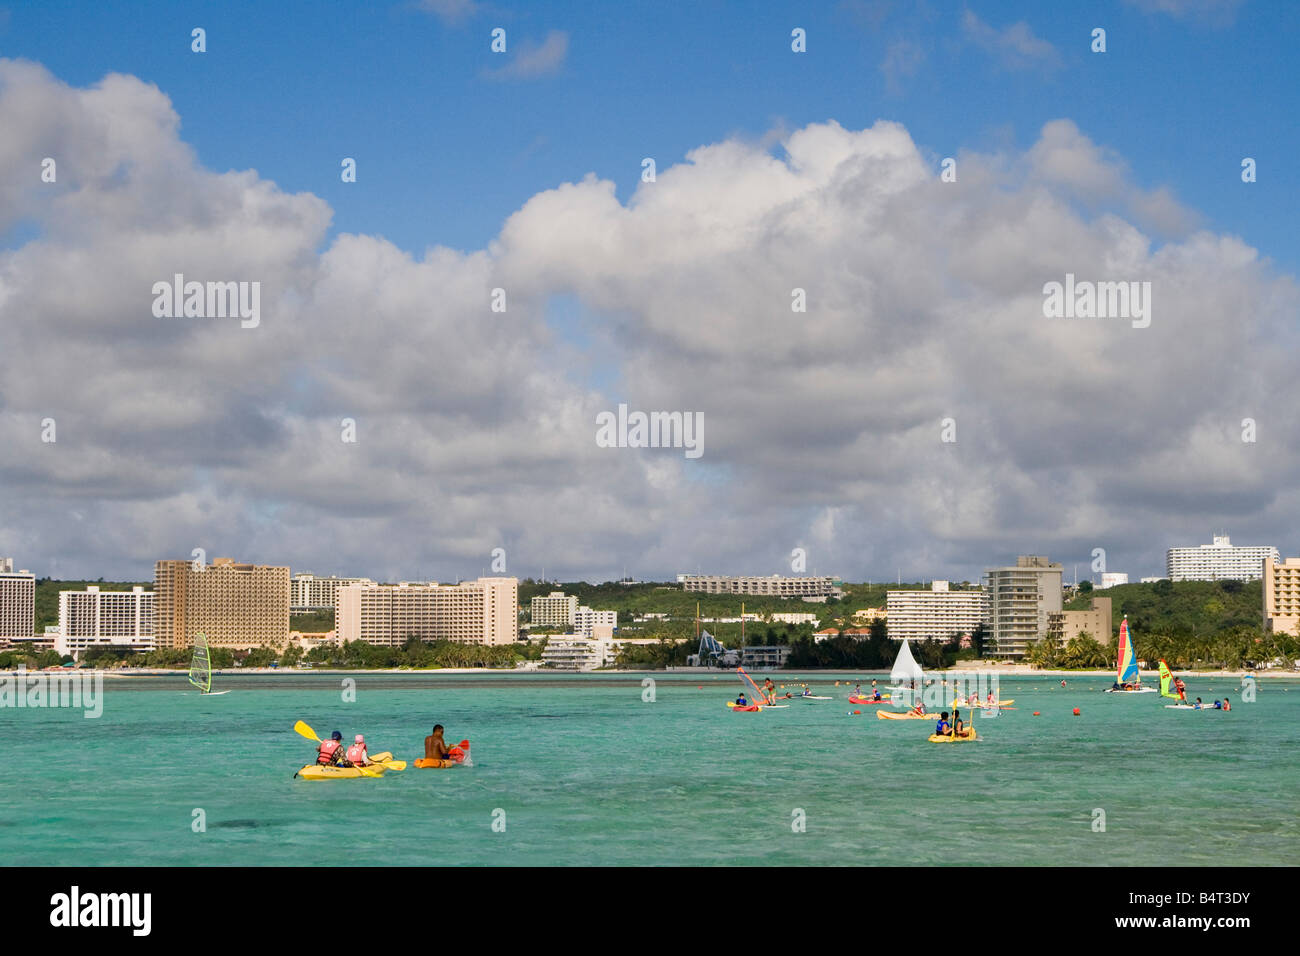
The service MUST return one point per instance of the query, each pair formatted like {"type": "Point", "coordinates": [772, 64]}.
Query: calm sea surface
{"type": "Point", "coordinates": [581, 771]}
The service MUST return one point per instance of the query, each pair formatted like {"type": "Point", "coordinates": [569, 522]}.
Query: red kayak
{"type": "Point", "coordinates": [865, 700]}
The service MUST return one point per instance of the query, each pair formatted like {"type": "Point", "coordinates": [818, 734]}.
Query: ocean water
{"type": "Point", "coordinates": [580, 770]}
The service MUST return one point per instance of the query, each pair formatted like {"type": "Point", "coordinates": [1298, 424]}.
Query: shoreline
{"type": "Point", "coordinates": [1010, 670]}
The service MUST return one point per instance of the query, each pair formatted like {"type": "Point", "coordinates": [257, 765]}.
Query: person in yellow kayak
{"type": "Point", "coordinates": [357, 755]}
{"type": "Point", "coordinates": [919, 709]}
{"type": "Point", "coordinates": [435, 748]}
{"type": "Point", "coordinates": [330, 752]}
{"type": "Point", "coordinates": [958, 725]}
{"type": "Point", "coordinates": [943, 728]}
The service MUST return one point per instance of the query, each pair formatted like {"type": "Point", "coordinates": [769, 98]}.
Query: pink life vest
{"type": "Point", "coordinates": [357, 754]}
{"type": "Point", "coordinates": [327, 748]}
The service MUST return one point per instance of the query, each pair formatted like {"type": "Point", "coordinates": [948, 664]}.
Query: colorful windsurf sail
{"type": "Point", "coordinates": [201, 665]}
{"type": "Point", "coordinates": [1126, 668]}
{"type": "Point", "coordinates": [745, 678]}
{"type": "Point", "coordinates": [1167, 682]}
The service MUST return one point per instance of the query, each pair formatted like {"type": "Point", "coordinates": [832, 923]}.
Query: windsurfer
{"type": "Point", "coordinates": [769, 690]}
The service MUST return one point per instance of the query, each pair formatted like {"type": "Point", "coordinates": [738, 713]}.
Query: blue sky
{"type": "Point", "coordinates": [478, 428]}
{"type": "Point", "coordinates": [446, 152]}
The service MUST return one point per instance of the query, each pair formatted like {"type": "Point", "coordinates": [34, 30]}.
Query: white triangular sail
{"type": "Point", "coordinates": [905, 673]}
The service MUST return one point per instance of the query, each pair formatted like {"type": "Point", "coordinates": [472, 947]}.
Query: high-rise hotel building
{"type": "Point", "coordinates": [312, 593]}
{"type": "Point", "coordinates": [936, 614]}
{"type": "Point", "coordinates": [1282, 595]}
{"type": "Point", "coordinates": [1024, 603]}
{"type": "Point", "coordinates": [95, 618]}
{"type": "Point", "coordinates": [485, 611]}
{"type": "Point", "coordinates": [555, 610]}
{"type": "Point", "coordinates": [17, 603]}
{"type": "Point", "coordinates": [237, 606]}
{"type": "Point", "coordinates": [1219, 561]}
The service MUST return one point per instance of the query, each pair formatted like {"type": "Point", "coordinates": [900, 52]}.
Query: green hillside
{"type": "Point", "coordinates": [1183, 608]}
{"type": "Point", "coordinates": [669, 598]}
{"type": "Point", "coordinates": [47, 596]}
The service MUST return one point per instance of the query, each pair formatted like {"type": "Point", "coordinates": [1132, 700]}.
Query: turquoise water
{"type": "Point", "coordinates": [588, 773]}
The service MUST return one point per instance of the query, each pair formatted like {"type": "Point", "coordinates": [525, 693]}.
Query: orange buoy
{"type": "Point", "coordinates": [1076, 711]}
{"type": "Point", "coordinates": [857, 712]}
{"type": "Point", "coordinates": [1036, 714]}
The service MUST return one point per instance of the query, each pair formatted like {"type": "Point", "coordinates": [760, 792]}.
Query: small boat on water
{"type": "Point", "coordinates": [1127, 678]}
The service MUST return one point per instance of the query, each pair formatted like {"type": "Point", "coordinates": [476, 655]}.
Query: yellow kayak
{"type": "Point", "coordinates": [945, 739]}
{"type": "Point", "coordinates": [378, 764]}
{"type": "Point", "coordinates": [997, 703]}
{"type": "Point", "coordinates": [905, 715]}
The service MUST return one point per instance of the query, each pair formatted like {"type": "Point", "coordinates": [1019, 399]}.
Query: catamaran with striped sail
{"type": "Point", "coordinates": [1127, 678]}
{"type": "Point", "coordinates": [200, 674]}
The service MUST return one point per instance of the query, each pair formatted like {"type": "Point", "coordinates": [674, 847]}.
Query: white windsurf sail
{"type": "Point", "coordinates": [201, 665]}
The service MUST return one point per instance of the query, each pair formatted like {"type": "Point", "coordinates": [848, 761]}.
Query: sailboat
{"type": "Point", "coordinates": [200, 674]}
{"type": "Point", "coordinates": [907, 677]}
{"type": "Point", "coordinates": [1127, 678]}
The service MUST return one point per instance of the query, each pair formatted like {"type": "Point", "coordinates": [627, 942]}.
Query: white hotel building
{"type": "Point", "coordinates": [555, 610]}
{"type": "Point", "coordinates": [1219, 561]}
{"type": "Point", "coordinates": [307, 592]}
{"type": "Point", "coordinates": [935, 614]}
{"type": "Point", "coordinates": [585, 621]}
{"type": "Point", "coordinates": [485, 611]}
{"type": "Point", "coordinates": [773, 586]}
{"type": "Point", "coordinates": [95, 618]}
{"type": "Point", "coordinates": [17, 603]}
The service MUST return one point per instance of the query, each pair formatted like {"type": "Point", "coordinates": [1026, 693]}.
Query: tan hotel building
{"type": "Point", "coordinates": [236, 606]}
{"type": "Point", "coordinates": [17, 602]}
{"type": "Point", "coordinates": [485, 611]}
{"type": "Point", "coordinates": [1282, 595]}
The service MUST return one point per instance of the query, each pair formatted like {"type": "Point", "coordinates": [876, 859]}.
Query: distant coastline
{"type": "Point", "coordinates": [1009, 670]}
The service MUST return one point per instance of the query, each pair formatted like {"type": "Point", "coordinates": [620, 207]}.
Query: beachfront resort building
{"type": "Point", "coordinates": [1282, 595]}
{"type": "Point", "coordinates": [586, 621]}
{"type": "Point", "coordinates": [1096, 622]}
{"type": "Point", "coordinates": [936, 614]}
{"type": "Point", "coordinates": [774, 586]}
{"type": "Point", "coordinates": [17, 603]}
{"type": "Point", "coordinates": [484, 611]}
{"type": "Point", "coordinates": [573, 652]}
{"type": "Point", "coordinates": [236, 606]}
{"type": "Point", "coordinates": [1021, 601]}
{"type": "Point", "coordinates": [96, 618]}
{"type": "Point", "coordinates": [764, 657]}
{"type": "Point", "coordinates": [311, 593]}
{"type": "Point", "coordinates": [1110, 579]}
{"type": "Point", "coordinates": [1218, 561]}
{"type": "Point", "coordinates": [557, 609]}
